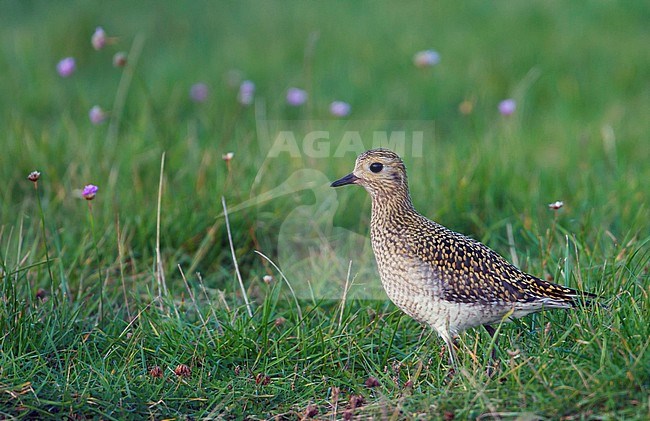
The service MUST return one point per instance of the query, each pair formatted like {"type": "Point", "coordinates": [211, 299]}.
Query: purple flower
{"type": "Point", "coordinates": [296, 97]}
{"type": "Point", "coordinates": [96, 115]}
{"type": "Point", "coordinates": [246, 92]}
{"type": "Point", "coordinates": [199, 92]}
{"type": "Point", "coordinates": [98, 40]}
{"type": "Point", "coordinates": [340, 108]}
{"type": "Point", "coordinates": [119, 59]}
{"type": "Point", "coordinates": [66, 67]}
{"type": "Point", "coordinates": [89, 192]}
{"type": "Point", "coordinates": [507, 106]}
{"type": "Point", "coordinates": [426, 58]}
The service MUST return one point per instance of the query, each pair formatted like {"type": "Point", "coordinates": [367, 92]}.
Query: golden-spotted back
{"type": "Point", "coordinates": [436, 275]}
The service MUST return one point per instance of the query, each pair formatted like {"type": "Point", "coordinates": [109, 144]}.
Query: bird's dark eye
{"type": "Point", "coordinates": [376, 167]}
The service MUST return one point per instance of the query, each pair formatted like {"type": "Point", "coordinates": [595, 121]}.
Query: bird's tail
{"type": "Point", "coordinates": [573, 297]}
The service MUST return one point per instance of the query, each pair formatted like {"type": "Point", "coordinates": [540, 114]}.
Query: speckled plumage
{"type": "Point", "coordinates": [438, 276]}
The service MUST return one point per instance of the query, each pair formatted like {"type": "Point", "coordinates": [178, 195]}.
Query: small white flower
{"type": "Point", "coordinates": [34, 176]}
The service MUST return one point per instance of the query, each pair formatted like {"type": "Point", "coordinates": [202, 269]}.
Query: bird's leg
{"type": "Point", "coordinates": [493, 355]}
{"type": "Point", "coordinates": [449, 343]}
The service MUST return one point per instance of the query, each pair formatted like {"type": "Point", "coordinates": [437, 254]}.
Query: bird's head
{"type": "Point", "coordinates": [380, 171]}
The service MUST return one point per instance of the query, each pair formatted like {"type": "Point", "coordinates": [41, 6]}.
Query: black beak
{"type": "Point", "coordinates": [348, 179]}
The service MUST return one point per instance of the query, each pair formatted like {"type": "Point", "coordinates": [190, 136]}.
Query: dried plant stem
{"type": "Point", "coordinates": [122, 90]}
{"type": "Point", "coordinates": [345, 293]}
{"type": "Point", "coordinates": [547, 253]}
{"type": "Point", "coordinates": [99, 264]}
{"type": "Point", "coordinates": [511, 245]}
{"type": "Point", "coordinates": [210, 304]}
{"type": "Point", "coordinates": [196, 305]}
{"type": "Point", "coordinates": [160, 273]}
{"type": "Point", "coordinates": [47, 251]}
{"type": "Point", "coordinates": [120, 253]}
{"type": "Point", "coordinates": [293, 293]}
{"type": "Point", "coordinates": [234, 258]}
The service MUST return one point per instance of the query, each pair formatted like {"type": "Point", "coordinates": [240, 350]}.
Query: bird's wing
{"type": "Point", "coordinates": [471, 272]}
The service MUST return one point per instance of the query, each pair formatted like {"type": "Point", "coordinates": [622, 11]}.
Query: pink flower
{"type": "Point", "coordinates": [507, 106]}
{"type": "Point", "coordinates": [66, 67]}
{"type": "Point", "coordinates": [296, 97]}
{"type": "Point", "coordinates": [199, 92]}
{"type": "Point", "coordinates": [246, 92]}
{"type": "Point", "coordinates": [119, 59]}
{"type": "Point", "coordinates": [426, 58]}
{"type": "Point", "coordinates": [340, 108]}
{"type": "Point", "coordinates": [89, 192]}
{"type": "Point", "coordinates": [96, 115]}
{"type": "Point", "coordinates": [98, 40]}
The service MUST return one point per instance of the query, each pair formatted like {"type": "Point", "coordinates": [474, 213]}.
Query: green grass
{"type": "Point", "coordinates": [580, 72]}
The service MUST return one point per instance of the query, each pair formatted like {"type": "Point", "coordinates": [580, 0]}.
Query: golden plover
{"type": "Point", "coordinates": [437, 276]}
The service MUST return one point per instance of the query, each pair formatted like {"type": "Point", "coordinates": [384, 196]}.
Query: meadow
{"type": "Point", "coordinates": [215, 274]}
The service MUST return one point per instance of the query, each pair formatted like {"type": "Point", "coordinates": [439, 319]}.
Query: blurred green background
{"type": "Point", "coordinates": [579, 71]}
